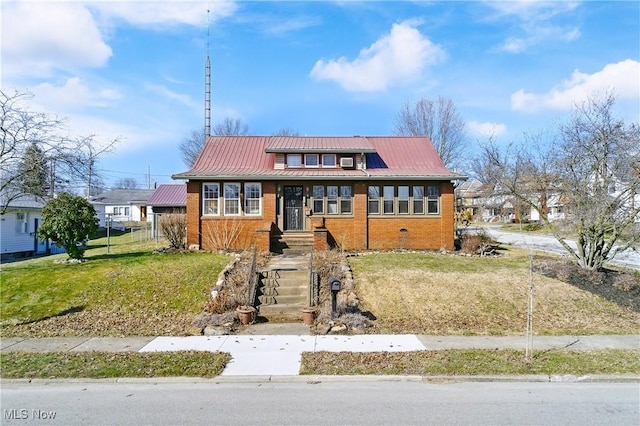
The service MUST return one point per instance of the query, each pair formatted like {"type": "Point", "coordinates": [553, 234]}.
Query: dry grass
{"type": "Point", "coordinates": [443, 294]}
{"type": "Point", "coordinates": [457, 362]}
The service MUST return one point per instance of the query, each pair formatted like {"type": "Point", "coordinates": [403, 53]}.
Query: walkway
{"type": "Point", "coordinates": [281, 354]}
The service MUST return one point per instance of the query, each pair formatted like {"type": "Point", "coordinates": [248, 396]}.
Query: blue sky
{"type": "Point", "coordinates": [135, 70]}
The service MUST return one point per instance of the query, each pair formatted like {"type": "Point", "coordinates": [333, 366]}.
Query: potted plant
{"type": "Point", "coordinates": [309, 315]}
{"type": "Point", "coordinates": [245, 314]}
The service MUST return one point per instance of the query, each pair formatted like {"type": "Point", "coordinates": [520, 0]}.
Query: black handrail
{"type": "Point", "coordinates": [252, 289]}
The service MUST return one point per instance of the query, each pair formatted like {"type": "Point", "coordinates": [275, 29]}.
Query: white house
{"type": "Point", "coordinates": [122, 205]}
{"type": "Point", "coordinates": [18, 226]}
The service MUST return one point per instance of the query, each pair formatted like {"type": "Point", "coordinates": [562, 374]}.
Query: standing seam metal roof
{"type": "Point", "coordinates": [248, 156]}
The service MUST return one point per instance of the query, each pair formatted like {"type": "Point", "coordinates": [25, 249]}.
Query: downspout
{"type": "Point", "coordinates": [366, 216]}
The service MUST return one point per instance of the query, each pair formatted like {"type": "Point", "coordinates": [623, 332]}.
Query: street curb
{"type": "Point", "coordinates": [317, 379]}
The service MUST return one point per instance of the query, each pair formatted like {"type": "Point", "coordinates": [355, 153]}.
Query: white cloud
{"type": "Point", "coordinates": [147, 13]}
{"type": "Point", "coordinates": [487, 129]}
{"type": "Point", "coordinates": [74, 94]}
{"type": "Point", "coordinates": [621, 77]}
{"type": "Point", "coordinates": [173, 96]}
{"type": "Point", "coordinates": [281, 28]}
{"type": "Point", "coordinates": [38, 38]}
{"type": "Point", "coordinates": [535, 19]}
{"type": "Point", "coordinates": [401, 55]}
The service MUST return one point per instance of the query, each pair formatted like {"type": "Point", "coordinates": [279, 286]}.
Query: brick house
{"type": "Point", "coordinates": [355, 193]}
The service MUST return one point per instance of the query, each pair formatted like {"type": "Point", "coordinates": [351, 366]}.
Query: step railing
{"type": "Point", "coordinates": [252, 285]}
{"type": "Point", "coordinates": [313, 294]}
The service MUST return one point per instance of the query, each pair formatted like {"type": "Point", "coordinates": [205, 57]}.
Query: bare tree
{"type": "Point", "coordinates": [192, 145]}
{"type": "Point", "coordinates": [593, 165]}
{"type": "Point", "coordinates": [126, 183]}
{"type": "Point", "coordinates": [231, 127]}
{"type": "Point", "coordinates": [286, 131]}
{"type": "Point", "coordinates": [23, 130]}
{"type": "Point", "coordinates": [440, 121]}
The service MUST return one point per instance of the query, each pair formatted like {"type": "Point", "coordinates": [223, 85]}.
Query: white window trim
{"type": "Point", "coordinates": [246, 199]}
{"type": "Point", "coordinates": [224, 198]}
{"type": "Point", "coordinates": [295, 155]}
{"type": "Point", "coordinates": [312, 166]}
{"type": "Point", "coordinates": [335, 160]}
{"type": "Point", "coordinates": [203, 199]}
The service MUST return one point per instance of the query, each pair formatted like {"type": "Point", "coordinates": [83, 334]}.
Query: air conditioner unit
{"type": "Point", "coordinates": [346, 162]}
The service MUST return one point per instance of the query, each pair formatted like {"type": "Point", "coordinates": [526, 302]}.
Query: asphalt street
{"type": "Point", "coordinates": [629, 258]}
{"type": "Point", "coordinates": [319, 400]}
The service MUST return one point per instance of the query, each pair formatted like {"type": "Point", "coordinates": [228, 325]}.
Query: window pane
{"type": "Point", "coordinates": [388, 199]}
{"type": "Point", "coordinates": [294, 160]}
{"type": "Point", "coordinates": [332, 199]}
{"type": "Point", "coordinates": [374, 199]}
{"type": "Point", "coordinates": [231, 199]}
{"type": "Point", "coordinates": [318, 199]}
{"type": "Point", "coordinates": [433, 195]}
{"type": "Point", "coordinates": [211, 193]}
{"type": "Point", "coordinates": [345, 199]}
{"type": "Point", "coordinates": [418, 200]}
{"type": "Point", "coordinates": [253, 197]}
{"type": "Point", "coordinates": [403, 199]}
{"type": "Point", "coordinates": [311, 160]}
{"type": "Point", "coordinates": [329, 160]}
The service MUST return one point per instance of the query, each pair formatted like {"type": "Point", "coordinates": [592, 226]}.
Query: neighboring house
{"type": "Point", "coordinates": [167, 199]}
{"type": "Point", "coordinates": [18, 226]}
{"type": "Point", "coordinates": [470, 197]}
{"type": "Point", "coordinates": [352, 192]}
{"type": "Point", "coordinates": [121, 206]}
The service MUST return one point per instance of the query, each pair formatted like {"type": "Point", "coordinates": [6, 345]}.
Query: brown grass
{"type": "Point", "coordinates": [445, 294]}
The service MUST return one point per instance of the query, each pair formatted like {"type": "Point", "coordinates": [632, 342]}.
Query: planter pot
{"type": "Point", "coordinates": [308, 315]}
{"type": "Point", "coordinates": [245, 314]}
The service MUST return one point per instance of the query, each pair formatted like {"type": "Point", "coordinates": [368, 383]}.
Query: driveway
{"type": "Point", "coordinates": [628, 259]}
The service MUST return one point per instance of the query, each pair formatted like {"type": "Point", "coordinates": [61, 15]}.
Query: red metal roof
{"type": "Point", "coordinates": [351, 144]}
{"type": "Point", "coordinates": [253, 157]}
{"type": "Point", "coordinates": [169, 195]}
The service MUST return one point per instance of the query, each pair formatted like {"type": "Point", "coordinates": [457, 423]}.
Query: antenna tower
{"type": "Point", "coordinates": [207, 88]}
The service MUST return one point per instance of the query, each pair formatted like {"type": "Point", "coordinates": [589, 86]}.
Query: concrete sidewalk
{"type": "Point", "coordinates": [281, 354]}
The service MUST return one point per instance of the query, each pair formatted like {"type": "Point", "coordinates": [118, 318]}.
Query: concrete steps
{"type": "Point", "coordinates": [292, 243]}
{"type": "Point", "coordinates": [283, 288]}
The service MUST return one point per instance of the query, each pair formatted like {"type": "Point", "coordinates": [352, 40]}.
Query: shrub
{"type": "Point", "coordinates": [477, 243]}
{"type": "Point", "coordinates": [174, 228]}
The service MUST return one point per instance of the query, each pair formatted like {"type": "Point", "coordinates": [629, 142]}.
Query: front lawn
{"type": "Point", "coordinates": [99, 365]}
{"type": "Point", "coordinates": [130, 291]}
{"type": "Point", "coordinates": [472, 362]}
{"type": "Point", "coordinates": [442, 294]}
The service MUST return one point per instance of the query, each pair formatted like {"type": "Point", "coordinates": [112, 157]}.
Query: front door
{"type": "Point", "coordinates": [293, 212]}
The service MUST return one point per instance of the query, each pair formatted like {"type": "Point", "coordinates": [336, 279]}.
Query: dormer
{"type": "Point", "coordinates": [294, 152]}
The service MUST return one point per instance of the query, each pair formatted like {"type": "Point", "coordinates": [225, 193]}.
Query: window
{"type": "Point", "coordinates": [328, 160]}
{"type": "Point", "coordinates": [231, 199]}
{"type": "Point", "coordinates": [433, 195]}
{"type": "Point", "coordinates": [418, 200]}
{"type": "Point", "coordinates": [210, 197]}
{"type": "Point", "coordinates": [252, 198]}
{"type": "Point", "coordinates": [311, 160]}
{"type": "Point", "coordinates": [403, 199]}
{"type": "Point", "coordinates": [294, 160]}
{"type": "Point", "coordinates": [21, 223]}
{"type": "Point", "coordinates": [318, 199]}
{"type": "Point", "coordinates": [345, 199]}
{"type": "Point", "coordinates": [374, 199]}
{"type": "Point", "coordinates": [332, 199]}
{"type": "Point", "coordinates": [387, 192]}
{"type": "Point", "coordinates": [121, 211]}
